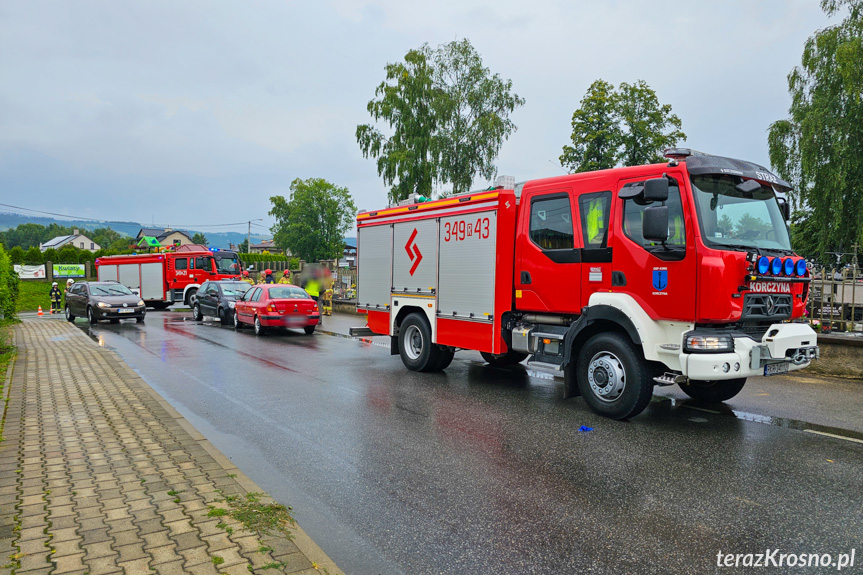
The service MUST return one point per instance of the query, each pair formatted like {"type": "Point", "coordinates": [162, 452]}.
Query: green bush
{"type": "Point", "coordinates": [33, 257]}
{"type": "Point", "coordinates": [8, 286]}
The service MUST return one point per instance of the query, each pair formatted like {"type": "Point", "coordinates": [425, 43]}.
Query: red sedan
{"type": "Point", "coordinates": [277, 305]}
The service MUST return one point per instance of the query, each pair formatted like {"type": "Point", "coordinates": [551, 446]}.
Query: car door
{"type": "Point", "coordinates": [244, 306]}
{"type": "Point", "coordinates": [80, 300]}
{"type": "Point", "coordinates": [207, 298]}
{"type": "Point", "coordinates": [259, 301]}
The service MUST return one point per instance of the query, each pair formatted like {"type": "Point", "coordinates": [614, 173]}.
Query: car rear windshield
{"type": "Point", "coordinates": [109, 289]}
{"type": "Point", "coordinates": [288, 292]}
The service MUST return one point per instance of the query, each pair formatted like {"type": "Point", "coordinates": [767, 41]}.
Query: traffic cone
{"type": "Point", "coordinates": [40, 311]}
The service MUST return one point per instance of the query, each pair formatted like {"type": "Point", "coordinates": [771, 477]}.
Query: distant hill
{"type": "Point", "coordinates": [216, 239]}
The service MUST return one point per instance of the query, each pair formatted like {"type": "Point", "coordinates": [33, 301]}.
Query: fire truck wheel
{"type": "Point", "coordinates": [259, 329]}
{"type": "Point", "coordinates": [445, 357]}
{"type": "Point", "coordinates": [713, 391]}
{"type": "Point", "coordinates": [196, 312]}
{"type": "Point", "coordinates": [511, 357]}
{"type": "Point", "coordinates": [190, 296]}
{"type": "Point", "coordinates": [415, 345]}
{"type": "Point", "coordinates": [69, 316]}
{"type": "Point", "coordinates": [612, 376]}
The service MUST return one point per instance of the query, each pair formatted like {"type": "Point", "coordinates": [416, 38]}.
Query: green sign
{"type": "Point", "coordinates": [68, 270]}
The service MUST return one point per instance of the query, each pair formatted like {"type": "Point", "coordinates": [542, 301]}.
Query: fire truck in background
{"type": "Point", "coordinates": [162, 279]}
{"type": "Point", "coordinates": [675, 273]}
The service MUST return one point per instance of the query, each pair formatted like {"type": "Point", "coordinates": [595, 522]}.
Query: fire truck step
{"type": "Point", "coordinates": [360, 332]}
{"type": "Point", "coordinates": [545, 366]}
{"type": "Point", "coordinates": [670, 379]}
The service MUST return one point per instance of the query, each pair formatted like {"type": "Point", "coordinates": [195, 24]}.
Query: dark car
{"type": "Point", "coordinates": [217, 299]}
{"type": "Point", "coordinates": [103, 300]}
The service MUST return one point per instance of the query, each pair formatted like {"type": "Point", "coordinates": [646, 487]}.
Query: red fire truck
{"type": "Point", "coordinates": [675, 273]}
{"type": "Point", "coordinates": [164, 278]}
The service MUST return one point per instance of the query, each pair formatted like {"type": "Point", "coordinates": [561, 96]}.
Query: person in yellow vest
{"type": "Point", "coordinates": [248, 279]}
{"type": "Point", "coordinates": [55, 298]}
{"type": "Point", "coordinates": [286, 277]}
{"type": "Point", "coordinates": [595, 223]}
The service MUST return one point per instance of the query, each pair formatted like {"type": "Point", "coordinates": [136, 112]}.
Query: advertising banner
{"type": "Point", "coordinates": [68, 270]}
{"type": "Point", "coordinates": [30, 272]}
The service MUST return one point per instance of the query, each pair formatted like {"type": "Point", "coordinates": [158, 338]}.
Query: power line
{"type": "Point", "coordinates": [54, 214]}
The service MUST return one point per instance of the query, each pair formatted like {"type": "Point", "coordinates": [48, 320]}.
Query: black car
{"type": "Point", "coordinates": [103, 300]}
{"type": "Point", "coordinates": [217, 299]}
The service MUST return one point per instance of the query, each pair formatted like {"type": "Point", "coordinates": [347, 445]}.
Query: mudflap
{"type": "Point", "coordinates": [570, 380]}
{"type": "Point", "coordinates": [394, 345]}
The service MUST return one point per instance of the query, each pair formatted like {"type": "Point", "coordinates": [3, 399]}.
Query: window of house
{"type": "Point", "coordinates": [551, 223]}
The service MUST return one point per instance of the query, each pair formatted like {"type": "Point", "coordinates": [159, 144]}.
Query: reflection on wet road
{"type": "Point", "coordinates": [484, 470]}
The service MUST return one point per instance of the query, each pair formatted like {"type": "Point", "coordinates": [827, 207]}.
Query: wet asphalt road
{"type": "Point", "coordinates": [482, 470]}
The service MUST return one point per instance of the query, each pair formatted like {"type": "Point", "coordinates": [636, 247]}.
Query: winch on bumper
{"type": "Point", "coordinates": [712, 355]}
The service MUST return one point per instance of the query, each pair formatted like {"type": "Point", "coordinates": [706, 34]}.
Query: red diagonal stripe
{"type": "Point", "coordinates": [418, 260]}
{"type": "Point", "coordinates": [408, 245]}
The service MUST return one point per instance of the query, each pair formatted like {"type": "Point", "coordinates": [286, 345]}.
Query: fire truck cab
{"type": "Point", "coordinates": [619, 280]}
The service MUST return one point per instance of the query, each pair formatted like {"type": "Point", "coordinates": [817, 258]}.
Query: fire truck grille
{"type": "Point", "coordinates": [762, 306]}
{"type": "Point", "coordinates": [755, 330]}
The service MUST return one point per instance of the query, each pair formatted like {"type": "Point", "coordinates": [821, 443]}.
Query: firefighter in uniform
{"type": "Point", "coordinates": [327, 301]}
{"type": "Point", "coordinates": [268, 276]}
{"type": "Point", "coordinates": [55, 298]}
{"type": "Point", "coordinates": [248, 279]}
{"type": "Point", "coordinates": [286, 277]}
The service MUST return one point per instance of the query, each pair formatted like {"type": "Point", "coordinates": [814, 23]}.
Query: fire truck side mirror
{"type": "Point", "coordinates": [785, 206]}
{"type": "Point", "coordinates": [656, 190]}
{"type": "Point", "coordinates": [655, 224]}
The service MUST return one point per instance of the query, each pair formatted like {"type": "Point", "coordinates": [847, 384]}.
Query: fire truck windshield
{"type": "Point", "coordinates": [227, 265]}
{"type": "Point", "coordinates": [731, 218]}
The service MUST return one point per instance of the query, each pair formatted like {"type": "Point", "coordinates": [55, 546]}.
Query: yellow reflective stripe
{"type": "Point", "coordinates": [428, 205]}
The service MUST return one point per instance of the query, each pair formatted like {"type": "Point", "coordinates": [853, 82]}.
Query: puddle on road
{"type": "Point", "coordinates": [788, 423]}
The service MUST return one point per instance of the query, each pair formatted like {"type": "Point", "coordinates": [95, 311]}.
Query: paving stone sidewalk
{"type": "Point", "coordinates": [98, 474]}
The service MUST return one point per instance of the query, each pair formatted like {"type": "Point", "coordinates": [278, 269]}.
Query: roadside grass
{"type": "Point", "coordinates": [32, 294]}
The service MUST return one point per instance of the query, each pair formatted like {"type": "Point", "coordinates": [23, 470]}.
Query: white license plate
{"type": "Point", "coordinates": [126, 310]}
{"type": "Point", "coordinates": [775, 368]}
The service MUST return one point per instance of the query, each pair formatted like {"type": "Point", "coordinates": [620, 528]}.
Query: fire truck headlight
{"type": "Point", "coordinates": [776, 266]}
{"type": "Point", "coordinates": [708, 343]}
{"type": "Point", "coordinates": [763, 264]}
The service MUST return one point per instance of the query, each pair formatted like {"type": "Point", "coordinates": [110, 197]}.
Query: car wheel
{"type": "Point", "coordinates": [511, 357]}
{"type": "Point", "coordinates": [196, 312]}
{"type": "Point", "coordinates": [259, 329]}
{"type": "Point", "coordinates": [613, 377]}
{"type": "Point", "coordinates": [223, 317]}
{"type": "Point", "coordinates": [415, 345]}
{"type": "Point", "coordinates": [69, 316]}
{"type": "Point", "coordinates": [237, 323]}
{"type": "Point", "coordinates": [90, 316]}
{"type": "Point", "coordinates": [139, 319]}
{"type": "Point", "coordinates": [713, 391]}
{"type": "Point", "coordinates": [309, 329]}
{"type": "Point", "coordinates": [114, 321]}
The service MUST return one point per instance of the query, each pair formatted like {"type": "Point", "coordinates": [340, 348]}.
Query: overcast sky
{"type": "Point", "coordinates": [196, 112]}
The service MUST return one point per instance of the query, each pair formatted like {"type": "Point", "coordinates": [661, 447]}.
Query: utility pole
{"type": "Point", "coordinates": [249, 236]}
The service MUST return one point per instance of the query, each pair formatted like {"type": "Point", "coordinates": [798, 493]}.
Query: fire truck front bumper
{"type": "Point", "coordinates": [715, 356]}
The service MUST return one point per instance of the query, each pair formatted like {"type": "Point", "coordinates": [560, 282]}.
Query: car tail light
{"type": "Point", "coordinates": [271, 307]}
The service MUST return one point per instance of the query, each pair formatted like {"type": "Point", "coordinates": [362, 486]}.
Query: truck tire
{"type": "Point", "coordinates": [511, 357]}
{"type": "Point", "coordinates": [713, 391]}
{"type": "Point", "coordinates": [613, 377]}
{"type": "Point", "coordinates": [415, 344]}
{"type": "Point", "coordinates": [189, 295]}
{"type": "Point", "coordinates": [445, 357]}
{"type": "Point", "coordinates": [196, 312]}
